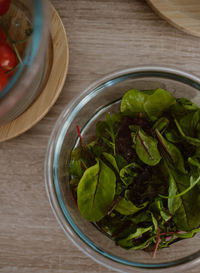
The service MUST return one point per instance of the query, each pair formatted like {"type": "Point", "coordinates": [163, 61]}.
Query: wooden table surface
{"type": "Point", "coordinates": [104, 35]}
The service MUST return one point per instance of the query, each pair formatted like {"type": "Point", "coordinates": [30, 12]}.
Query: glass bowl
{"type": "Point", "coordinates": [27, 24]}
{"type": "Point", "coordinates": [99, 98]}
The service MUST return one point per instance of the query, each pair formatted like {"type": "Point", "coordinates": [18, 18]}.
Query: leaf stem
{"type": "Point", "coordinates": [157, 243]}
{"type": "Point", "coordinates": [11, 42]}
{"type": "Point", "coordinates": [83, 166]}
{"type": "Point", "coordinates": [144, 145]}
{"type": "Point", "coordinates": [79, 133]}
{"type": "Point", "coordinates": [183, 192]}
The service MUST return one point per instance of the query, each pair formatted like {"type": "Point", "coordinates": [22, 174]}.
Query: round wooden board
{"type": "Point", "coordinates": [54, 79]}
{"type": "Point", "coordinates": [183, 14]}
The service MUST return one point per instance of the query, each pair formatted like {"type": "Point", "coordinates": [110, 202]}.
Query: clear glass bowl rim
{"type": "Point", "coordinates": [51, 164]}
{"type": "Point", "coordinates": [39, 28]}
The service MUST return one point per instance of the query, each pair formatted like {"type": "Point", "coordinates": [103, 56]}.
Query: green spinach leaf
{"type": "Point", "coordinates": [129, 172]}
{"type": "Point", "coordinates": [185, 211]}
{"type": "Point", "coordinates": [110, 158]}
{"type": "Point", "coordinates": [132, 102]}
{"type": "Point", "coordinates": [160, 207]}
{"type": "Point", "coordinates": [157, 103]}
{"type": "Point", "coordinates": [142, 217]}
{"type": "Point", "coordinates": [96, 191]}
{"type": "Point", "coordinates": [173, 136]}
{"type": "Point", "coordinates": [187, 104]}
{"type": "Point", "coordinates": [172, 151]}
{"type": "Point", "coordinates": [77, 168]}
{"type": "Point", "coordinates": [173, 203]}
{"type": "Point", "coordinates": [147, 149]}
{"type": "Point", "coordinates": [189, 234]}
{"type": "Point", "coordinates": [128, 242]}
{"type": "Point", "coordinates": [191, 140]}
{"type": "Point", "coordinates": [161, 124]}
{"type": "Point", "coordinates": [126, 207]}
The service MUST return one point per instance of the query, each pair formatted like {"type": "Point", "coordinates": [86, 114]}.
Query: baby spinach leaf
{"type": "Point", "coordinates": [128, 241]}
{"type": "Point", "coordinates": [157, 103]}
{"type": "Point", "coordinates": [161, 124]}
{"type": "Point", "coordinates": [96, 191]}
{"type": "Point", "coordinates": [129, 172]}
{"type": "Point", "coordinates": [187, 125]}
{"type": "Point", "coordinates": [102, 125]}
{"type": "Point", "coordinates": [125, 230]}
{"type": "Point", "coordinates": [187, 104]}
{"type": "Point", "coordinates": [132, 102]}
{"type": "Point", "coordinates": [189, 234]}
{"type": "Point", "coordinates": [80, 161]}
{"type": "Point", "coordinates": [121, 162]}
{"type": "Point", "coordinates": [187, 217]}
{"type": "Point", "coordinates": [176, 110]}
{"type": "Point", "coordinates": [120, 187]}
{"type": "Point", "coordinates": [196, 120]}
{"type": "Point", "coordinates": [107, 127]}
{"type": "Point", "coordinates": [165, 243]}
{"type": "Point", "coordinates": [111, 132]}
{"type": "Point", "coordinates": [194, 179]}
{"type": "Point", "coordinates": [191, 140]}
{"type": "Point", "coordinates": [76, 168]}
{"type": "Point", "coordinates": [155, 222]}
{"type": "Point", "coordinates": [193, 183]}
{"type": "Point", "coordinates": [173, 203]}
{"type": "Point", "coordinates": [152, 103]}
{"type": "Point", "coordinates": [115, 225]}
{"type": "Point", "coordinates": [110, 158]}
{"type": "Point", "coordinates": [126, 207]}
{"type": "Point", "coordinates": [173, 136]}
{"type": "Point", "coordinates": [134, 131]}
{"type": "Point", "coordinates": [172, 151]}
{"type": "Point", "coordinates": [164, 214]}
{"type": "Point", "coordinates": [142, 217]}
{"type": "Point", "coordinates": [95, 148]}
{"type": "Point", "coordinates": [77, 153]}
{"type": "Point", "coordinates": [143, 245]}
{"type": "Point", "coordinates": [147, 149]}
{"type": "Point", "coordinates": [194, 164]}
{"type": "Point", "coordinates": [101, 128]}
{"type": "Point", "coordinates": [185, 210]}
{"type": "Point", "coordinates": [182, 107]}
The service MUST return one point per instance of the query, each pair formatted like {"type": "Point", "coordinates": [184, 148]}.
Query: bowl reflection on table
{"type": "Point", "coordinates": [91, 106]}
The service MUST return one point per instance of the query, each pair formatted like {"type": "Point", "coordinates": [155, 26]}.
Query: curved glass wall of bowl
{"type": "Point", "coordinates": [26, 25]}
{"type": "Point", "coordinates": [101, 97]}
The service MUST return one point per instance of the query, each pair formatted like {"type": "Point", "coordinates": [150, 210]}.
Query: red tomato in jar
{"type": "Point", "coordinates": [4, 6]}
{"type": "Point", "coordinates": [3, 80]}
{"type": "Point", "coordinates": [8, 59]}
{"type": "Point", "coordinates": [3, 37]}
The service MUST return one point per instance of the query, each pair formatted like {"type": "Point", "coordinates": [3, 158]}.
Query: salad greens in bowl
{"type": "Point", "coordinates": [123, 170]}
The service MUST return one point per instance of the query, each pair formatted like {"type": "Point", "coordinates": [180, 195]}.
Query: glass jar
{"type": "Point", "coordinates": [26, 24]}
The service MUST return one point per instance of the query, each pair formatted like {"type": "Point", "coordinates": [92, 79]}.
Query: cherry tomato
{"type": "Point", "coordinates": [3, 80]}
{"type": "Point", "coordinates": [8, 59]}
{"type": "Point", "coordinates": [3, 37]}
{"type": "Point", "coordinates": [4, 6]}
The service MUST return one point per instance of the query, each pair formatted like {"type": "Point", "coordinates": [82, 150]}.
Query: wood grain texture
{"type": "Point", "coordinates": [104, 35]}
{"type": "Point", "coordinates": [183, 14]}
